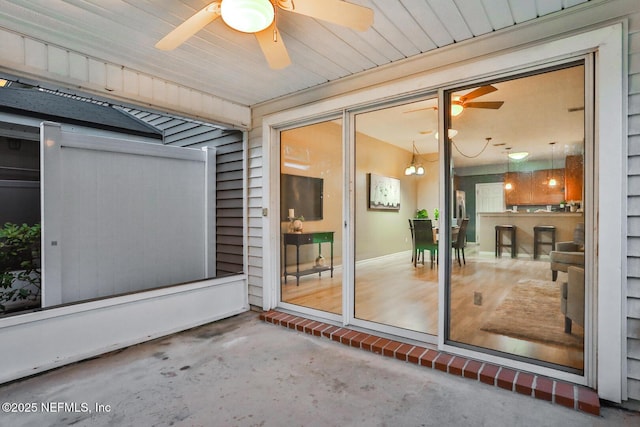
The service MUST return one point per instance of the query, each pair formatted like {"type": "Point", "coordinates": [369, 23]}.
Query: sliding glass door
{"type": "Point", "coordinates": [311, 194]}
{"type": "Point", "coordinates": [511, 250]}
{"type": "Point", "coordinates": [396, 195]}
{"type": "Point", "coordinates": [517, 153]}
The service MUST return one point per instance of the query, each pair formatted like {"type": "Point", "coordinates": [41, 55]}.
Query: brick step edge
{"type": "Point", "coordinates": [572, 396]}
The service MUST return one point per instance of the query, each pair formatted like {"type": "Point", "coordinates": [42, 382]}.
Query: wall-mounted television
{"type": "Point", "coordinates": [303, 194]}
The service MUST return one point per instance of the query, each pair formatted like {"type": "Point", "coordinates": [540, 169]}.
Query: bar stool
{"type": "Point", "coordinates": [501, 230]}
{"type": "Point", "coordinates": [538, 235]}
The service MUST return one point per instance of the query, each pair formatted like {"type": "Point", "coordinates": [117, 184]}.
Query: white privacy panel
{"type": "Point", "coordinates": [121, 216]}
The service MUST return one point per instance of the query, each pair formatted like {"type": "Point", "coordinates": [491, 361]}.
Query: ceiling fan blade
{"type": "Point", "coordinates": [189, 27]}
{"type": "Point", "coordinates": [420, 109]}
{"type": "Point", "coordinates": [273, 47]}
{"type": "Point", "coordinates": [482, 90]}
{"type": "Point", "coordinates": [494, 105]}
{"type": "Point", "coordinates": [336, 11]}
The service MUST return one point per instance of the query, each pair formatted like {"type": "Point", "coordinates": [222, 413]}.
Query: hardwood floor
{"type": "Point", "coordinates": [392, 291]}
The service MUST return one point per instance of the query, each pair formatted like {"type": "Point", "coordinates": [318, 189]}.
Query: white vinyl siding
{"type": "Point", "coordinates": [633, 213]}
{"type": "Point", "coordinates": [255, 205]}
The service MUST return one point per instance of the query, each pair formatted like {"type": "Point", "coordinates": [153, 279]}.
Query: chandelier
{"type": "Point", "coordinates": [414, 167]}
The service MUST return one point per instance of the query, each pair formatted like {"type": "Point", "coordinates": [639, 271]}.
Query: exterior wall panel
{"type": "Point", "coordinates": [633, 213]}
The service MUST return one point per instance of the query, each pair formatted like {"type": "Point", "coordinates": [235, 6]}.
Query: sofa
{"type": "Point", "coordinates": [572, 298]}
{"type": "Point", "coordinates": [567, 254]}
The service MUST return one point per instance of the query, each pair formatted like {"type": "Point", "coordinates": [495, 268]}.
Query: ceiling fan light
{"type": "Point", "coordinates": [456, 109]}
{"type": "Point", "coordinates": [247, 16]}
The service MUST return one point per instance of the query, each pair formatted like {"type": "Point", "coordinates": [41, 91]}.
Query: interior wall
{"type": "Point", "coordinates": [382, 232]}
{"type": "Point", "coordinates": [428, 191]}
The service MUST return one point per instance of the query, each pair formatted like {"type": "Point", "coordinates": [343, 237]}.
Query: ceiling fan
{"type": "Point", "coordinates": [459, 103]}
{"type": "Point", "coordinates": [258, 17]}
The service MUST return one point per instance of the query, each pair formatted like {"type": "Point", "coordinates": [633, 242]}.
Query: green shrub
{"type": "Point", "coordinates": [20, 278]}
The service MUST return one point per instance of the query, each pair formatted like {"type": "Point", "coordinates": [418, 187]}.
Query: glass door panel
{"type": "Point", "coordinates": [311, 194]}
{"type": "Point", "coordinates": [517, 153]}
{"type": "Point", "coordinates": [396, 179]}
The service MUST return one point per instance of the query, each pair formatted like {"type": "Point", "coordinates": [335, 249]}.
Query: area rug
{"type": "Point", "coordinates": [531, 311]}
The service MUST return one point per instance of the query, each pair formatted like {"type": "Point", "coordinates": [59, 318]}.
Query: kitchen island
{"type": "Point", "coordinates": [565, 223]}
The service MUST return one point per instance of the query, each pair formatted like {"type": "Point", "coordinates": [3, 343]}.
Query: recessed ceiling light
{"type": "Point", "coordinates": [519, 155]}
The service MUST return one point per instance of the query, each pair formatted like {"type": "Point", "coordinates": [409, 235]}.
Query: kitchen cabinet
{"type": "Point", "coordinates": [573, 178]}
{"type": "Point", "coordinates": [532, 188]}
{"type": "Point", "coordinates": [520, 192]}
{"type": "Point", "coordinates": [542, 193]}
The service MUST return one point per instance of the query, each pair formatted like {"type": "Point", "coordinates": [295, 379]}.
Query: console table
{"type": "Point", "coordinates": [299, 239]}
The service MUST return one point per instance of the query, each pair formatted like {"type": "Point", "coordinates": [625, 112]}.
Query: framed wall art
{"type": "Point", "coordinates": [384, 192]}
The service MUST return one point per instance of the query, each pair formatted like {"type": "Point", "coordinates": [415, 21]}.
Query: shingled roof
{"type": "Point", "coordinates": [72, 110]}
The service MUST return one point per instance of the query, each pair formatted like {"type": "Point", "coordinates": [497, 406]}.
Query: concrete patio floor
{"type": "Point", "coordinates": [245, 372]}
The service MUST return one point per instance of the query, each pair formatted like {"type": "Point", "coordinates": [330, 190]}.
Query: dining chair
{"type": "Point", "coordinates": [413, 251]}
{"type": "Point", "coordinates": [423, 240]}
{"type": "Point", "coordinates": [461, 241]}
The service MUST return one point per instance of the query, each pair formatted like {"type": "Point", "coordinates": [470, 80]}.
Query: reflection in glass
{"type": "Point", "coordinates": [311, 191]}
{"type": "Point", "coordinates": [518, 156]}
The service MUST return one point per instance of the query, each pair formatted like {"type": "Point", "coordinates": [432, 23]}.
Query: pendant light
{"type": "Point", "coordinates": [552, 180]}
{"type": "Point", "coordinates": [414, 168]}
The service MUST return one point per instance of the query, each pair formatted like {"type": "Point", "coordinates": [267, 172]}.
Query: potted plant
{"type": "Point", "coordinates": [422, 214]}
{"type": "Point", "coordinates": [436, 216]}
{"type": "Point", "coordinates": [20, 279]}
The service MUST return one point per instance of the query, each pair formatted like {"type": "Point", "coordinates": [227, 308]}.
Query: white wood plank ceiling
{"type": "Point", "coordinates": [230, 65]}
